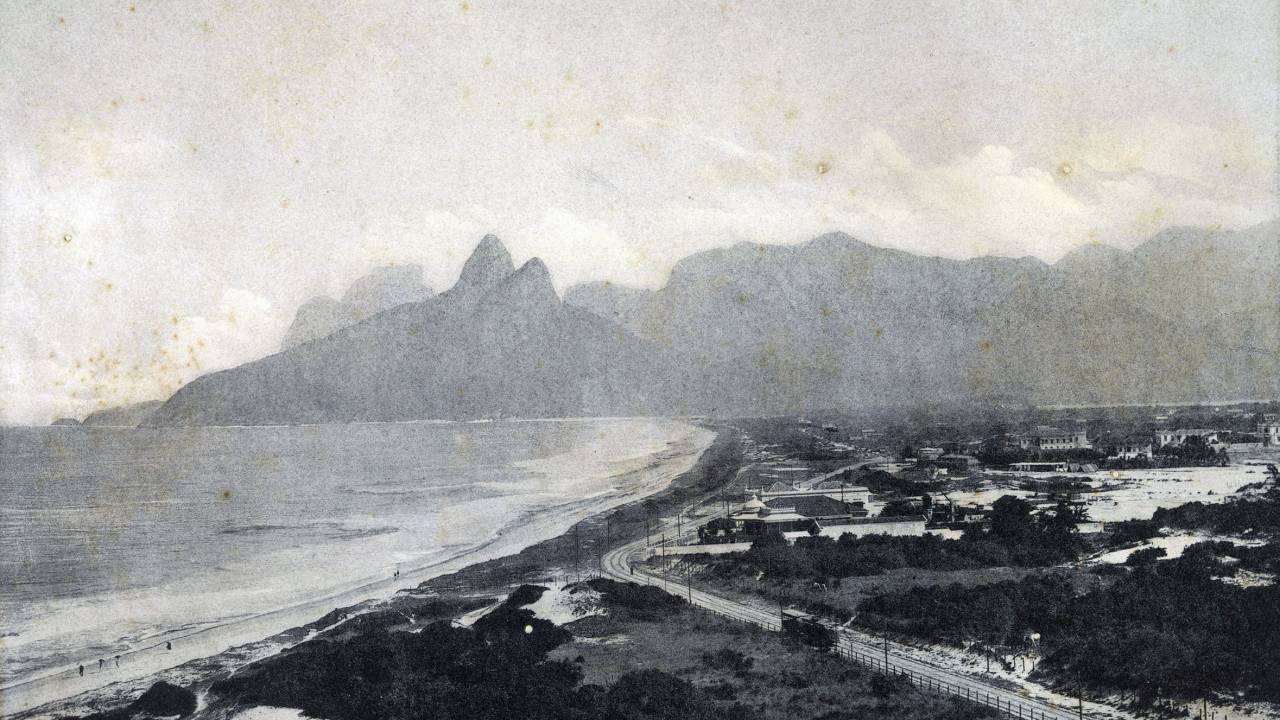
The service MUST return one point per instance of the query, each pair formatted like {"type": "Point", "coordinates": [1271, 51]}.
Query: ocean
{"type": "Point", "coordinates": [119, 540]}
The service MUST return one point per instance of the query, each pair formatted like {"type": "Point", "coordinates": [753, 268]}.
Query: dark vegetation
{"type": "Point", "coordinates": [496, 669]}
{"type": "Point", "coordinates": [767, 675]}
{"type": "Point", "coordinates": [160, 700]}
{"type": "Point", "coordinates": [513, 665]}
{"type": "Point", "coordinates": [1162, 629]}
{"type": "Point", "coordinates": [1259, 514]}
{"type": "Point", "coordinates": [1251, 514]}
{"type": "Point", "coordinates": [1016, 538]}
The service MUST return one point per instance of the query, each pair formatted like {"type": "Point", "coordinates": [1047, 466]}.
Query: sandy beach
{"type": "Point", "coordinates": [203, 653]}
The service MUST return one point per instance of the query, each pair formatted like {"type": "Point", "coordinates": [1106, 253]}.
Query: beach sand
{"type": "Point", "coordinates": [574, 541]}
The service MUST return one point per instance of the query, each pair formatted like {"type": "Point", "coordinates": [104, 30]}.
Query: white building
{"type": "Point", "coordinates": [1132, 451]}
{"type": "Point", "coordinates": [1269, 429]}
{"type": "Point", "coordinates": [1181, 435]}
{"type": "Point", "coordinates": [1049, 438]}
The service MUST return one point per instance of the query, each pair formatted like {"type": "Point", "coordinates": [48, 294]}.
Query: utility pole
{"type": "Point", "coordinates": [688, 578]}
{"type": "Point", "coordinates": [886, 653]}
{"type": "Point", "coordinates": [1080, 695]}
{"type": "Point", "coordinates": [577, 570]}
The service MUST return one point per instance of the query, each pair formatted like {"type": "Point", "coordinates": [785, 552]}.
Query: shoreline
{"type": "Point", "coordinates": [222, 648]}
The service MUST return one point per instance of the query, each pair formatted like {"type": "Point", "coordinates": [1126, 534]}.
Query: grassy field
{"type": "Point", "coordinates": [776, 677]}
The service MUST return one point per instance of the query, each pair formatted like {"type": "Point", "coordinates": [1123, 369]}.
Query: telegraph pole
{"type": "Point", "coordinates": [664, 559]}
{"type": "Point", "coordinates": [1080, 695]}
{"type": "Point", "coordinates": [886, 653]}
{"type": "Point", "coordinates": [577, 571]}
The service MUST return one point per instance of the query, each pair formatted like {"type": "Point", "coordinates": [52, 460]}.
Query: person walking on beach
{"type": "Point", "coordinates": [117, 661]}
{"type": "Point", "coordinates": [168, 645]}
{"type": "Point", "coordinates": [101, 662]}
{"type": "Point", "coordinates": [82, 671]}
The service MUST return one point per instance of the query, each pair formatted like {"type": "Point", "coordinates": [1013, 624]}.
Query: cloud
{"type": "Point", "coordinates": [64, 380]}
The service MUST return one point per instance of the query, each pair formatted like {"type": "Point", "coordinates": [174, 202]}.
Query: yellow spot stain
{"type": "Point", "coordinates": [1066, 169]}
{"type": "Point", "coordinates": [226, 494]}
{"type": "Point", "coordinates": [877, 332]}
{"type": "Point", "coordinates": [984, 345]}
{"type": "Point", "coordinates": [823, 167]}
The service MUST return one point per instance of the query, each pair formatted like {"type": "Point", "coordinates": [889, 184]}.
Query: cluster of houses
{"type": "Point", "coordinates": [798, 513]}
{"type": "Point", "coordinates": [829, 508]}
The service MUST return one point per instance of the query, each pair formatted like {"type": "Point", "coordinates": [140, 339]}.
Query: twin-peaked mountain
{"type": "Point", "coordinates": [761, 329]}
{"type": "Point", "coordinates": [499, 343]}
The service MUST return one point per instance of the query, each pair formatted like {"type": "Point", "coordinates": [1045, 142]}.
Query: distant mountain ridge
{"type": "Point", "coordinates": [381, 289]}
{"type": "Point", "coordinates": [131, 415]}
{"type": "Point", "coordinates": [1189, 315]}
{"type": "Point", "coordinates": [761, 329]}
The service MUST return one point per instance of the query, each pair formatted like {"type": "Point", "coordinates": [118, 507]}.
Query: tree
{"type": "Point", "coordinates": [1011, 519]}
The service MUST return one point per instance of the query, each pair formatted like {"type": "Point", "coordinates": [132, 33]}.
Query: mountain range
{"type": "Point", "coordinates": [382, 289]}
{"type": "Point", "coordinates": [758, 329]}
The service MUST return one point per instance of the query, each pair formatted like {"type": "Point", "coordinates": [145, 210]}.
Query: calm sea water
{"type": "Point", "coordinates": [112, 538]}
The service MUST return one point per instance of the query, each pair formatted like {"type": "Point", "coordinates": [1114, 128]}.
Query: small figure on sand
{"type": "Point", "coordinates": [117, 661]}
{"type": "Point", "coordinates": [168, 645]}
{"type": "Point", "coordinates": [82, 671]}
{"type": "Point", "coordinates": [101, 662]}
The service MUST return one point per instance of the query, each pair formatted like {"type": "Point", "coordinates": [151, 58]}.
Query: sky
{"type": "Point", "coordinates": [179, 177]}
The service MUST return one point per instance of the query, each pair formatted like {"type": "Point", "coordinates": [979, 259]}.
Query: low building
{"type": "Point", "coordinates": [844, 492]}
{"type": "Point", "coordinates": [753, 519]}
{"type": "Point", "coordinates": [1040, 467]}
{"type": "Point", "coordinates": [1051, 438]}
{"type": "Point", "coordinates": [912, 525]}
{"type": "Point", "coordinates": [1132, 451]}
{"type": "Point", "coordinates": [1180, 436]}
{"type": "Point", "coordinates": [958, 463]}
{"type": "Point", "coordinates": [834, 489]}
{"type": "Point", "coordinates": [817, 507]}
{"type": "Point", "coordinates": [1063, 466]}
{"type": "Point", "coordinates": [929, 454]}
{"type": "Point", "coordinates": [1269, 429]}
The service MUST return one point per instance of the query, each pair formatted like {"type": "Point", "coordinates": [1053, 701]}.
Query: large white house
{"type": "Point", "coordinates": [1181, 435]}
{"type": "Point", "coordinates": [1050, 438]}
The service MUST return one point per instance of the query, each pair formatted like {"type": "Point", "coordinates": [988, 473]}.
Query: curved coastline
{"type": "Point", "coordinates": [56, 691]}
